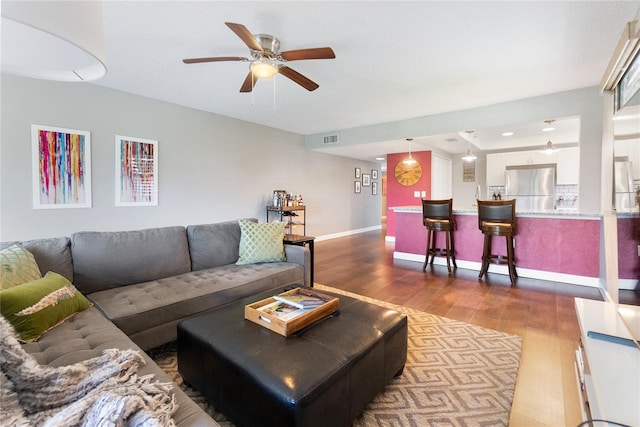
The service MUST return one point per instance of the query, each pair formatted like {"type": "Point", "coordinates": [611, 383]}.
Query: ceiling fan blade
{"type": "Point", "coordinates": [214, 59]}
{"type": "Point", "coordinates": [315, 53]}
{"type": "Point", "coordinates": [249, 83]}
{"type": "Point", "coordinates": [244, 34]}
{"type": "Point", "coordinates": [298, 78]}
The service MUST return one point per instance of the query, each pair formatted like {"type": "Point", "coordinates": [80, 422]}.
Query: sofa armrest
{"type": "Point", "coordinates": [300, 255]}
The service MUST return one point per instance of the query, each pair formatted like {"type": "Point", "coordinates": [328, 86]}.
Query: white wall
{"type": "Point", "coordinates": [585, 103]}
{"type": "Point", "coordinates": [211, 168]}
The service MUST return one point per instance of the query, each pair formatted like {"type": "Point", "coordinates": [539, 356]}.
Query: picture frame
{"type": "Point", "coordinates": [357, 187]}
{"type": "Point", "coordinates": [61, 167]}
{"type": "Point", "coordinates": [357, 173]}
{"type": "Point", "coordinates": [374, 173]}
{"type": "Point", "coordinates": [136, 167]}
{"type": "Point", "coordinates": [366, 180]}
{"type": "Point", "coordinates": [374, 188]}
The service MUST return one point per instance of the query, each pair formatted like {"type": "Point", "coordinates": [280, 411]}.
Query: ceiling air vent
{"type": "Point", "coordinates": [330, 139]}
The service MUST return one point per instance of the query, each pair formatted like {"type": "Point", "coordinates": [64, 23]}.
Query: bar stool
{"type": "Point", "coordinates": [437, 215]}
{"type": "Point", "coordinates": [497, 218]}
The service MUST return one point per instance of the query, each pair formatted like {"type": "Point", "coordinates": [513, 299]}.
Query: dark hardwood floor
{"type": "Point", "coordinates": [541, 312]}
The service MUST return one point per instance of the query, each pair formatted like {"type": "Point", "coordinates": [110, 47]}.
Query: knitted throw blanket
{"type": "Point", "coordinates": [103, 391]}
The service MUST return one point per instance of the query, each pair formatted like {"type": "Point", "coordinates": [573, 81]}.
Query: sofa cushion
{"type": "Point", "coordinates": [213, 245]}
{"type": "Point", "coordinates": [261, 242]}
{"type": "Point", "coordinates": [51, 254]}
{"type": "Point", "coordinates": [18, 266]}
{"type": "Point", "coordinates": [148, 312]}
{"type": "Point", "coordinates": [86, 335]}
{"type": "Point", "coordinates": [37, 306]}
{"type": "Point", "coordinates": [105, 260]}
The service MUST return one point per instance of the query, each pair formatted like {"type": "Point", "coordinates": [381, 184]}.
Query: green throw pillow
{"type": "Point", "coordinates": [261, 242]}
{"type": "Point", "coordinates": [37, 306]}
{"type": "Point", "coordinates": [18, 266]}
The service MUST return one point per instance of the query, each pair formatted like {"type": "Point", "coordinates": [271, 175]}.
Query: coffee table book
{"type": "Point", "coordinates": [276, 316]}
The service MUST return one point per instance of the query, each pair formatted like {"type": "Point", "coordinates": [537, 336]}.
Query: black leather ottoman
{"type": "Point", "coordinates": [323, 376]}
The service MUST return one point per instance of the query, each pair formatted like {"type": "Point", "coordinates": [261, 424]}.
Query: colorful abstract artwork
{"type": "Point", "coordinates": [61, 167]}
{"type": "Point", "coordinates": [136, 171]}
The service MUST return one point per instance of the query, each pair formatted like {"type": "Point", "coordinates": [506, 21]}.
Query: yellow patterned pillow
{"type": "Point", "coordinates": [260, 242]}
{"type": "Point", "coordinates": [37, 306]}
{"type": "Point", "coordinates": [17, 266]}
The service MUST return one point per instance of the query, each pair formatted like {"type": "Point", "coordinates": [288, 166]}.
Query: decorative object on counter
{"type": "Point", "coordinates": [374, 173]}
{"type": "Point", "coordinates": [437, 215]}
{"type": "Point", "coordinates": [469, 157]}
{"type": "Point", "coordinates": [549, 148]}
{"type": "Point", "coordinates": [497, 218]}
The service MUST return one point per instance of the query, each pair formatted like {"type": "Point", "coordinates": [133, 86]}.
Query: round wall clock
{"type": "Point", "coordinates": [408, 174]}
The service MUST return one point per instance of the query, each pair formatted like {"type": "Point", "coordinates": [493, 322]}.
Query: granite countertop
{"type": "Point", "coordinates": [557, 213]}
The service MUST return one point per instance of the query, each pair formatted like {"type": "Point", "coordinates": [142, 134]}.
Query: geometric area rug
{"type": "Point", "coordinates": [457, 374]}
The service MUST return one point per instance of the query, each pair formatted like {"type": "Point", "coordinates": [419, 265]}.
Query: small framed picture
{"type": "Point", "coordinates": [374, 173]}
{"type": "Point", "coordinates": [357, 173]}
{"type": "Point", "coordinates": [357, 187]}
{"type": "Point", "coordinates": [366, 180]}
{"type": "Point", "coordinates": [374, 188]}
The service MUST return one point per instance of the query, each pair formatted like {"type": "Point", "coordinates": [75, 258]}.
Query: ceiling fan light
{"type": "Point", "coordinates": [263, 69]}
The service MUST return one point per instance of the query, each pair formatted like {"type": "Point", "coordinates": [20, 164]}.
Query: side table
{"type": "Point", "coordinates": [297, 239]}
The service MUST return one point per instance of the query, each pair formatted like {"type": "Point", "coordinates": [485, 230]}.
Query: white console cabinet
{"type": "Point", "coordinates": [609, 383]}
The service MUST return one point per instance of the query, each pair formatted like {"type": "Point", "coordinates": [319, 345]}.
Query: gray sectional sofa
{"type": "Point", "coordinates": [144, 282]}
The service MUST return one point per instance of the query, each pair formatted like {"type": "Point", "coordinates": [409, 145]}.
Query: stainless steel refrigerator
{"type": "Point", "coordinates": [625, 196]}
{"type": "Point", "coordinates": [533, 187]}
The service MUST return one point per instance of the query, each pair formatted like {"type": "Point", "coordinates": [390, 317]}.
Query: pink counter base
{"type": "Point", "coordinates": [569, 246]}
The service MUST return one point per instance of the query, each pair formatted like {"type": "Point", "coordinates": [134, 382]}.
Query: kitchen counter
{"type": "Point", "coordinates": [559, 245]}
{"type": "Point", "coordinates": [556, 213]}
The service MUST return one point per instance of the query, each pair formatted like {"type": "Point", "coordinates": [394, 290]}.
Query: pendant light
{"type": "Point", "coordinates": [469, 157]}
{"type": "Point", "coordinates": [549, 148]}
{"type": "Point", "coordinates": [409, 160]}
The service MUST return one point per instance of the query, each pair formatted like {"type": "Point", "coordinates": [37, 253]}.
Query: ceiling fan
{"type": "Point", "coordinates": [267, 60]}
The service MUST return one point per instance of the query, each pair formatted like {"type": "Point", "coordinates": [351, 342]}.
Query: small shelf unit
{"type": "Point", "coordinates": [295, 218]}
{"type": "Point", "coordinates": [608, 373]}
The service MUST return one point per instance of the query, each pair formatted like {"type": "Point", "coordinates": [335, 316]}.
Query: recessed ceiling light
{"type": "Point", "coordinates": [549, 129]}
{"type": "Point", "coordinates": [379, 158]}
{"type": "Point", "coordinates": [507, 134]}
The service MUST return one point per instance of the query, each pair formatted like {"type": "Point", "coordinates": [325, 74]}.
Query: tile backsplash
{"type": "Point", "coordinates": [567, 196]}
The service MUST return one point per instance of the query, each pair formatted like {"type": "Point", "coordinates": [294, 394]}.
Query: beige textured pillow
{"type": "Point", "coordinates": [261, 242]}
{"type": "Point", "coordinates": [17, 266]}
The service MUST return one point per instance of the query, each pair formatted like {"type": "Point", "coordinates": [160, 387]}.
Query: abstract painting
{"type": "Point", "coordinates": [61, 161]}
{"type": "Point", "coordinates": [136, 171]}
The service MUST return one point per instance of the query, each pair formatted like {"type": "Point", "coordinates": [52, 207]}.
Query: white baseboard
{"type": "Point", "coordinates": [628, 284]}
{"type": "Point", "coordinates": [503, 269]}
{"type": "Point", "coordinates": [348, 233]}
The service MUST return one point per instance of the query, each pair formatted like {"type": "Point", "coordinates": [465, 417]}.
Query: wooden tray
{"type": "Point", "coordinates": [288, 327]}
